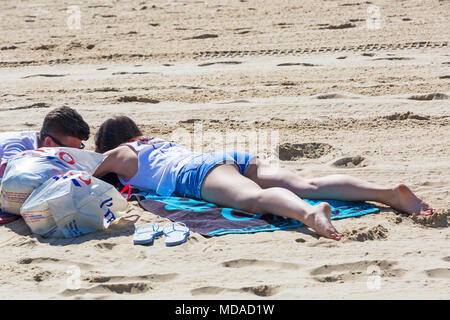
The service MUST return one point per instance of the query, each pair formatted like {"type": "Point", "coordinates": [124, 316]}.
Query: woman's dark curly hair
{"type": "Point", "coordinates": [115, 131]}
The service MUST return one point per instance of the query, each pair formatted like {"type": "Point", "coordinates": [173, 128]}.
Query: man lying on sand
{"type": "Point", "coordinates": [62, 127]}
{"type": "Point", "coordinates": [235, 179]}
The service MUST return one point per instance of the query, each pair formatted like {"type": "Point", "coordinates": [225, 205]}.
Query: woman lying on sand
{"type": "Point", "coordinates": [235, 179]}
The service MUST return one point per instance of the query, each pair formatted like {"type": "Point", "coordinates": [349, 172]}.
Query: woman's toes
{"type": "Point", "coordinates": [333, 234]}
{"type": "Point", "coordinates": [426, 212]}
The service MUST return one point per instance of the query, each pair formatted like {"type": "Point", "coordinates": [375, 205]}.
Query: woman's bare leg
{"type": "Point", "coordinates": [225, 186]}
{"type": "Point", "coordinates": [337, 187]}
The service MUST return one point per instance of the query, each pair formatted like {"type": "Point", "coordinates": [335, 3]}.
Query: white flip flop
{"type": "Point", "coordinates": [176, 233]}
{"type": "Point", "coordinates": [146, 233]}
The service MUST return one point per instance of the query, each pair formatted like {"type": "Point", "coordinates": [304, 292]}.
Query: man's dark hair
{"type": "Point", "coordinates": [115, 131]}
{"type": "Point", "coordinates": [67, 122]}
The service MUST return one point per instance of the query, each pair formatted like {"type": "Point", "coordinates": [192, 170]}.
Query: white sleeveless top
{"type": "Point", "coordinates": [13, 143]}
{"type": "Point", "coordinates": [159, 162]}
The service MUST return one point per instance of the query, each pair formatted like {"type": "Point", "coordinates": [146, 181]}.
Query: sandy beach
{"type": "Point", "coordinates": [368, 99]}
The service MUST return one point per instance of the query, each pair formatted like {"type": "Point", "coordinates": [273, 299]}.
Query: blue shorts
{"type": "Point", "coordinates": [190, 177]}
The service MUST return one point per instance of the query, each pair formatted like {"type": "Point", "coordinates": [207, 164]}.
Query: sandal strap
{"type": "Point", "coordinates": [172, 231]}
{"type": "Point", "coordinates": [172, 225]}
{"type": "Point", "coordinates": [176, 223]}
{"type": "Point", "coordinates": [147, 224]}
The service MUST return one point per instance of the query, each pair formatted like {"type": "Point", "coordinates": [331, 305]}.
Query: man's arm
{"type": "Point", "coordinates": [12, 146]}
{"type": "Point", "coordinates": [2, 169]}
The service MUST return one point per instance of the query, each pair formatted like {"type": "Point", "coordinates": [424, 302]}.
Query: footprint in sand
{"type": "Point", "coordinates": [8, 48]}
{"type": "Point", "coordinates": [120, 279]}
{"type": "Point", "coordinates": [119, 288]}
{"type": "Point", "coordinates": [120, 284]}
{"type": "Point", "coordinates": [135, 72]}
{"type": "Point", "coordinates": [193, 120]}
{"type": "Point", "coordinates": [333, 96]}
{"type": "Point", "coordinates": [355, 4]}
{"type": "Point", "coordinates": [136, 99]}
{"type": "Point", "coordinates": [438, 273]}
{"type": "Point", "coordinates": [219, 62]}
{"type": "Point", "coordinates": [104, 15]}
{"type": "Point", "coordinates": [30, 244]}
{"type": "Point", "coordinates": [190, 87]}
{"type": "Point", "coordinates": [45, 47]}
{"type": "Point", "coordinates": [324, 244]}
{"type": "Point", "coordinates": [260, 291]}
{"type": "Point", "coordinates": [351, 162]}
{"type": "Point", "coordinates": [428, 97]}
{"type": "Point", "coordinates": [393, 58]}
{"type": "Point", "coordinates": [48, 260]}
{"type": "Point", "coordinates": [289, 64]}
{"type": "Point", "coordinates": [254, 263]}
{"type": "Point", "coordinates": [37, 260]}
{"type": "Point", "coordinates": [339, 26]}
{"type": "Point", "coordinates": [314, 150]}
{"type": "Point", "coordinates": [32, 106]}
{"type": "Point", "coordinates": [29, 124]}
{"type": "Point", "coordinates": [103, 90]}
{"type": "Point", "coordinates": [234, 101]}
{"type": "Point", "coordinates": [42, 276]}
{"type": "Point", "coordinates": [100, 6]}
{"type": "Point", "coordinates": [405, 116]}
{"type": "Point", "coordinates": [203, 36]}
{"type": "Point", "coordinates": [45, 75]}
{"type": "Point", "coordinates": [354, 271]}
{"type": "Point", "coordinates": [105, 245]}
{"type": "Point", "coordinates": [243, 32]}
{"type": "Point", "coordinates": [284, 25]}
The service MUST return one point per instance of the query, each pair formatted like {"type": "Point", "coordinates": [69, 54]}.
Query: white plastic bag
{"type": "Point", "coordinates": [30, 169]}
{"type": "Point", "coordinates": [72, 204]}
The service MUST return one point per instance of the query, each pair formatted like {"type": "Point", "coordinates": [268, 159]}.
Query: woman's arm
{"type": "Point", "coordinates": [107, 165]}
{"type": "Point", "coordinates": [122, 161]}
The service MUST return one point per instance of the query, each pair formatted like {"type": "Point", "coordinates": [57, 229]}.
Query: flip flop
{"type": "Point", "coordinates": [146, 233]}
{"type": "Point", "coordinates": [176, 233]}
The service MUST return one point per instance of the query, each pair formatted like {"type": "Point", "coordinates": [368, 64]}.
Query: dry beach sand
{"type": "Point", "coordinates": [343, 97]}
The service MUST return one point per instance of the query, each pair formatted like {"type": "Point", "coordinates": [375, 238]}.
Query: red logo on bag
{"type": "Point", "coordinates": [71, 175]}
{"type": "Point", "coordinates": [66, 157]}
{"type": "Point", "coordinates": [88, 181]}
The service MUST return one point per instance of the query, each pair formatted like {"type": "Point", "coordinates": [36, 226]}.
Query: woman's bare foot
{"type": "Point", "coordinates": [405, 200]}
{"type": "Point", "coordinates": [320, 220]}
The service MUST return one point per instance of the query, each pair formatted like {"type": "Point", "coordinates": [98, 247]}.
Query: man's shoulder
{"type": "Point", "coordinates": [19, 134]}
{"type": "Point", "coordinates": [28, 138]}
